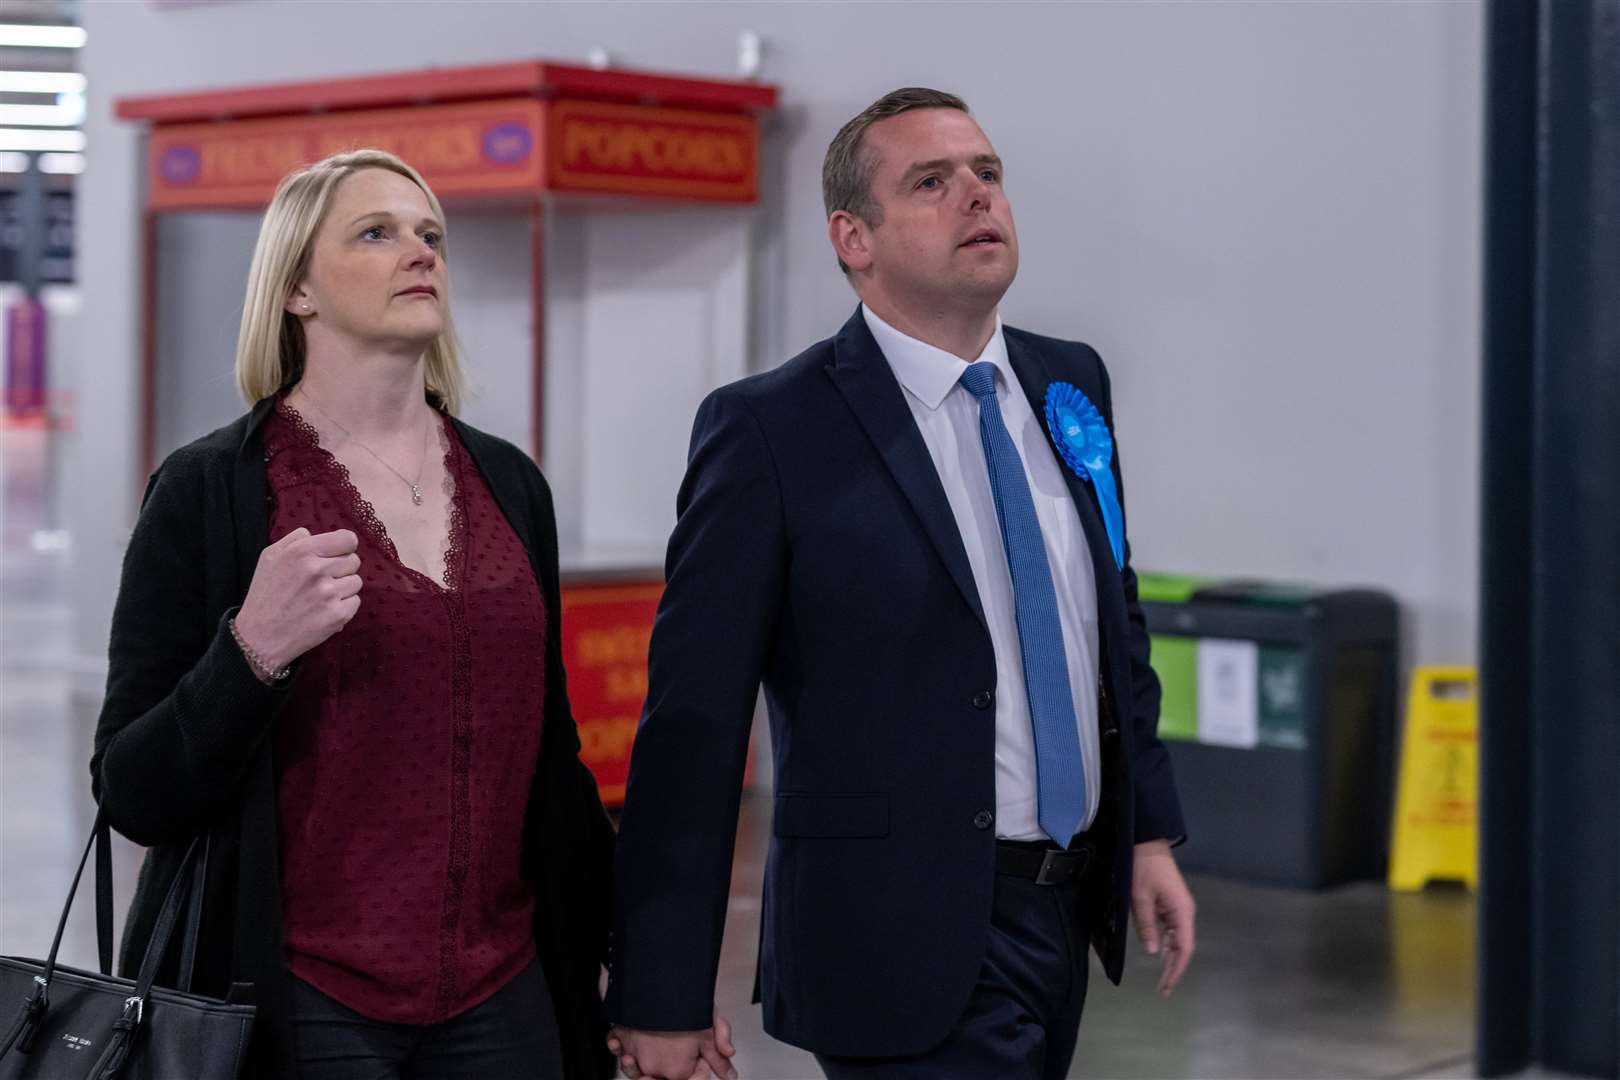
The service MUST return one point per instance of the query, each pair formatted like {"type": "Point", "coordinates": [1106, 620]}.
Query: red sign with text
{"type": "Point", "coordinates": [606, 629]}
{"type": "Point", "coordinates": [638, 150]}
{"type": "Point", "coordinates": [517, 147]}
{"type": "Point", "coordinates": [486, 148]}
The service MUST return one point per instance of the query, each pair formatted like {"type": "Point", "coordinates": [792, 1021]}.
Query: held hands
{"type": "Point", "coordinates": [675, 1055]}
{"type": "Point", "coordinates": [1164, 910]}
{"type": "Point", "coordinates": [305, 589]}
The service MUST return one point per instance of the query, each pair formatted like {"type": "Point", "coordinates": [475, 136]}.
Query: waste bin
{"type": "Point", "coordinates": [1279, 713]}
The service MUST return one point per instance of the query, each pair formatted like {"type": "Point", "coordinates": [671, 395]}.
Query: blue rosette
{"type": "Point", "coordinates": [1086, 446]}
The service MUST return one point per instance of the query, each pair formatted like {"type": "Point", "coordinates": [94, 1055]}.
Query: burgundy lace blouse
{"type": "Point", "coordinates": [405, 754]}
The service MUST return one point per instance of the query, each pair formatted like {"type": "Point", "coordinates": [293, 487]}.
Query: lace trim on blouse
{"type": "Point", "coordinates": [323, 459]}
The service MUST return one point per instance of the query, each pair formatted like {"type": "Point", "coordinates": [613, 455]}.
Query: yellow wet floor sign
{"type": "Point", "coordinates": [1437, 802]}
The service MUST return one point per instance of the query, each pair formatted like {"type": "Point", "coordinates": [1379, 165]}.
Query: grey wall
{"type": "Point", "coordinates": [204, 260]}
{"type": "Point", "coordinates": [1264, 215]}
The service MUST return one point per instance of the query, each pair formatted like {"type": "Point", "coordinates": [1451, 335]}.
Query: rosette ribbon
{"type": "Point", "coordinates": [1085, 445]}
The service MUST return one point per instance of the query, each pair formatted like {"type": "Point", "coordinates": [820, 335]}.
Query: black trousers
{"type": "Point", "coordinates": [512, 1036]}
{"type": "Point", "coordinates": [1023, 1018]}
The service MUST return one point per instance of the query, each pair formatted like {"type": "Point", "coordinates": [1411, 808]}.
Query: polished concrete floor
{"type": "Point", "coordinates": [1353, 982]}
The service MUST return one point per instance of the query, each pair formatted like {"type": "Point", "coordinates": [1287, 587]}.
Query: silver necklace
{"type": "Point", "coordinates": [414, 485]}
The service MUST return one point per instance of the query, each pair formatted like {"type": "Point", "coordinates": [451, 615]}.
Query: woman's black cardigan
{"type": "Point", "coordinates": [184, 742]}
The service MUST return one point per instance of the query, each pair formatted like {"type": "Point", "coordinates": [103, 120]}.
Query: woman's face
{"type": "Point", "coordinates": [376, 278]}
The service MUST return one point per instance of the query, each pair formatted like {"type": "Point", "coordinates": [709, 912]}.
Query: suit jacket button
{"type": "Point", "coordinates": [983, 819]}
{"type": "Point", "coordinates": [983, 699]}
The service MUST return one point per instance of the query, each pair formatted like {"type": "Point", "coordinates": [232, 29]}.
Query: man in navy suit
{"type": "Point", "coordinates": [886, 533]}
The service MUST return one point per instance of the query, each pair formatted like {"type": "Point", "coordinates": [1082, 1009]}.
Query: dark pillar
{"type": "Point", "coordinates": [1550, 606]}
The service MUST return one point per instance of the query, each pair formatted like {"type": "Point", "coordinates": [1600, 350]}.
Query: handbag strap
{"type": "Point", "coordinates": [117, 1046]}
{"type": "Point", "coordinates": [168, 917]}
{"type": "Point", "coordinates": [102, 838]}
{"type": "Point", "coordinates": [196, 861]}
{"type": "Point", "coordinates": [67, 905]}
{"type": "Point", "coordinates": [21, 1032]}
{"type": "Point", "coordinates": [188, 938]}
{"type": "Point", "coordinates": [104, 893]}
{"type": "Point", "coordinates": [32, 1013]}
{"type": "Point", "coordinates": [190, 880]}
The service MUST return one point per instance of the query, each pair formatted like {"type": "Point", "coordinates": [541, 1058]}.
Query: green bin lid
{"type": "Point", "coordinates": [1271, 593]}
{"type": "Point", "coordinates": [1168, 588]}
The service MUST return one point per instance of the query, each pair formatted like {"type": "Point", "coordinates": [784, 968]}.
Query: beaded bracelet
{"type": "Point", "coordinates": [261, 670]}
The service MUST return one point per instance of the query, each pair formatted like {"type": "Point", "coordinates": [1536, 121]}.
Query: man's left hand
{"type": "Point", "coordinates": [1164, 910]}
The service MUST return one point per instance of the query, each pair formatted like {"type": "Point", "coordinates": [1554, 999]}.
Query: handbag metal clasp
{"type": "Point", "coordinates": [138, 1004]}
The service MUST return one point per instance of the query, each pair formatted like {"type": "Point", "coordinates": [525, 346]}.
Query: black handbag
{"type": "Point", "coordinates": [73, 1023]}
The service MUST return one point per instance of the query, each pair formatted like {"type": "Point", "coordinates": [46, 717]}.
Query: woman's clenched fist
{"type": "Point", "coordinates": [305, 589]}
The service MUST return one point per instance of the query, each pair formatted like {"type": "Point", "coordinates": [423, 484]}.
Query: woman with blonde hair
{"type": "Point", "coordinates": [336, 654]}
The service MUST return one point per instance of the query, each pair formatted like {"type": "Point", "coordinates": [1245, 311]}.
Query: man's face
{"type": "Point", "coordinates": [947, 231]}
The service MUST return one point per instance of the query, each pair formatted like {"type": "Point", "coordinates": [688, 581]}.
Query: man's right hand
{"type": "Point", "coordinates": [675, 1055]}
{"type": "Point", "coordinates": [304, 590]}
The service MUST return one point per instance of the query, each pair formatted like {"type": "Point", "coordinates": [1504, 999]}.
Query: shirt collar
{"type": "Point", "coordinates": [926, 371]}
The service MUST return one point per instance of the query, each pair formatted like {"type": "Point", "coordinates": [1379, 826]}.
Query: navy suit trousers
{"type": "Point", "coordinates": [1023, 1018]}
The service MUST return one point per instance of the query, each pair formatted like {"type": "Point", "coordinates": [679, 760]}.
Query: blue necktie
{"type": "Point", "coordinates": [1060, 775]}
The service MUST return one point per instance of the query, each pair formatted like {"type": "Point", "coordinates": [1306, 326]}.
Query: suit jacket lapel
{"type": "Point", "coordinates": [864, 377]}
{"type": "Point", "coordinates": [1035, 376]}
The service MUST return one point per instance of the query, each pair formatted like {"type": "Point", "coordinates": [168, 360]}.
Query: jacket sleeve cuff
{"type": "Point", "coordinates": [224, 707]}
{"type": "Point", "coordinates": [1158, 809]}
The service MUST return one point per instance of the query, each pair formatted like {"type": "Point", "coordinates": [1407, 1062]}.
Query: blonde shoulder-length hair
{"type": "Point", "coordinates": [270, 343]}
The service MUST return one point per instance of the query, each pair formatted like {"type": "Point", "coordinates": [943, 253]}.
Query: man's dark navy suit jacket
{"type": "Point", "coordinates": [815, 552]}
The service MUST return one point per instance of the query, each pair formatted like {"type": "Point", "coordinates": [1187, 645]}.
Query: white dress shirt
{"type": "Point", "coordinates": [948, 417]}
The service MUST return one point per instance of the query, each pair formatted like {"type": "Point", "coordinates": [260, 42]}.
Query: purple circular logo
{"type": "Point", "coordinates": [180, 164]}
{"type": "Point", "coordinates": [507, 144]}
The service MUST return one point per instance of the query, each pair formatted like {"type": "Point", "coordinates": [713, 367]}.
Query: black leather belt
{"type": "Point", "coordinates": [1042, 863]}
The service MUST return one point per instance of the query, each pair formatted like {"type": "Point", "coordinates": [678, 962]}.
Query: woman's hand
{"type": "Point", "coordinates": [305, 589]}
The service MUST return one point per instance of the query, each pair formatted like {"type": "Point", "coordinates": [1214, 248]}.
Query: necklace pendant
{"type": "Point", "coordinates": [416, 495]}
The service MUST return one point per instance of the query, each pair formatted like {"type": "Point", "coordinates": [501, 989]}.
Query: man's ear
{"type": "Point", "coordinates": [851, 240]}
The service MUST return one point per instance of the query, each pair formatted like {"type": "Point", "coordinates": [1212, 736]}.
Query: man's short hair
{"type": "Point", "coordinates": [846, 173]}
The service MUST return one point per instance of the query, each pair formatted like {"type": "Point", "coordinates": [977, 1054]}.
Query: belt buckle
{"type": "Point", "coordinates": [1051, 867]}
